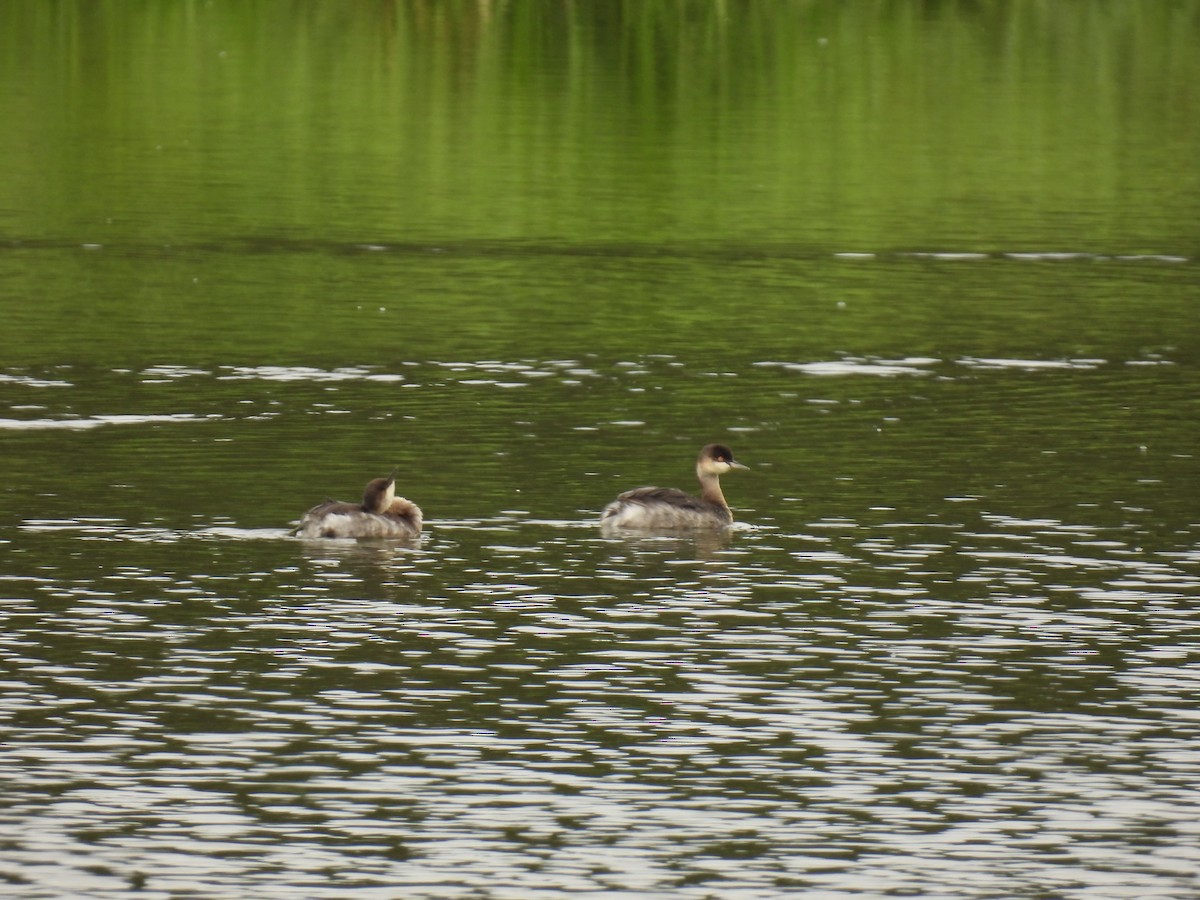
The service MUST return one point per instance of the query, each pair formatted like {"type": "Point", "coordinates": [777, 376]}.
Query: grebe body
{"type": "Point", "coordinates": [668, 509]}
{"type": "Point", "coordinates": [381, 514]}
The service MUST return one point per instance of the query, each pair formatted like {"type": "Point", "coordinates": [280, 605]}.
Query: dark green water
{"type": "Point", "coordinates": [930, 269]}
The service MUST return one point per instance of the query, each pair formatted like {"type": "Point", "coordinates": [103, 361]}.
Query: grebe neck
{"type": "Point", "coordinates": [379, 494]}
{"type": "Point", "coordinates": [710, 488]}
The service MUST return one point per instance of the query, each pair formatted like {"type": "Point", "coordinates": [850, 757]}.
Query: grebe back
{"type": "Point", "coordinates": [671, 509]}
{"type": "Point", "coordinates": [381, 514]}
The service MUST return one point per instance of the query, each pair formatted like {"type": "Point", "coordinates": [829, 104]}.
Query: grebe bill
{"type": "Point", "coordinates": [670, 509]}
{"type": "Point", "coordinates": [381, 514]}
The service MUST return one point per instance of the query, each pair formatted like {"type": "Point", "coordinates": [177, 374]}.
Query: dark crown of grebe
{"type": "Point", "coordinates": [719, 453]}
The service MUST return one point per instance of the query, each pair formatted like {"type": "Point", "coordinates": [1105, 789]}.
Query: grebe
{"type": "Point", "coordinates": [667, 508]}
{"type": "Point", "coordinates": [381, 514]}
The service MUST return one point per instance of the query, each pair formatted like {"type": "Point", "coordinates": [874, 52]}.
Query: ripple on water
{"type": "Point", "coordinates": [83, 423]}
{"type": "Point", "coordinates": [857, 366]}
{"type": "Point", "coordinates": [526, 703]}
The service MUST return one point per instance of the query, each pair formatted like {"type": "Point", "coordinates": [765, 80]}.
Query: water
{"type": "Point", "coordinates": [513, 705]}
{"type": "Point", "coordinates": [536, 256]}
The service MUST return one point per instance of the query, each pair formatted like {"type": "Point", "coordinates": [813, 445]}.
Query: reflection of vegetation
{"type": "Point", "coordinates": [596, 182]}
{"type": "Point", "coordinates": [884, 125]}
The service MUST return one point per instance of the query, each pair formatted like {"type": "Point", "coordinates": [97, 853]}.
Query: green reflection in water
{"type": "Point", "coordinates": [954, 126]}
{"type": "Point", "coordinates": [653, 193]}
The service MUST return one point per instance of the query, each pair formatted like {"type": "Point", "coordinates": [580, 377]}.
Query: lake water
{"type": "Point", "coordinates": [931, 271]}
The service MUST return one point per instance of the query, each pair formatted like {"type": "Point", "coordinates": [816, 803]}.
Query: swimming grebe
{"type": "Point", "coordinates": [667, 508]}
{"type": "Point", "coordinates": [381, 514]}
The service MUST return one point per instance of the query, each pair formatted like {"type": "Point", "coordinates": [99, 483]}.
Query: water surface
{"type": "Point", "coordinates": [931, 273]}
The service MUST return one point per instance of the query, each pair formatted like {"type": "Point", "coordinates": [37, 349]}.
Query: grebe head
{"type": "Point", "coordinates": [716, 459]}
{"type": "Point", "coordinates": [379, 493]}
